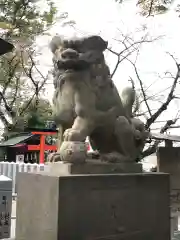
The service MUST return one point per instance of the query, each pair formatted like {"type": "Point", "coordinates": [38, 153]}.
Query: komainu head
{"type": "Point", "coordinates": [77, 54]}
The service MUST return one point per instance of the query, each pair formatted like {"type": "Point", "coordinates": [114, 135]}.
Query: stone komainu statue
{"type": "Point", "coordinates": [87, 103]}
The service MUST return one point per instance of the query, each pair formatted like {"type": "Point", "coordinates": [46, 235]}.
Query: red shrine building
{"type": "Point", "coordinates": [29, 147]}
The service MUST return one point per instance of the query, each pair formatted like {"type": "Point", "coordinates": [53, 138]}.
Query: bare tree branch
{"type": "Point", "coordinates": [141, 86]}
{"type": "Point", "coordinates": [3, 119]}
{"type": "Point", "coordinates": [28, 72]}
{"type": "Point", "coordinates": [119, 60]}
{"type": "Point", "coordinates": [129, 49]}
{"type": "Point", "coordinates": [31, 99]}
{"type": "Point", "coordinates": [152, 149]}
{"type": "Point", "coordinates": [8, 109]}
{"type": "Point", "coordinates": [38, 87]}
{"type": "Point", "coordinates": [150, 9]}
{"type": "Point", "coordinates": [10, 76]}
{"type": "Point", "coordinates": [15, 93]}
{"type": "Point", "coordinates": [168, 100]}
{"type": "Point", "coordinates": [177, 126]}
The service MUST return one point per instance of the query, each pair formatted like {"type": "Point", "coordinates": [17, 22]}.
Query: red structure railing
{"type": "Point", "coordinates": [42, 146]}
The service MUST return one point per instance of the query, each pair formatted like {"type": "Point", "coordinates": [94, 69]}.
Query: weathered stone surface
{"type": "Point", "coordinates": [87, 103]}
{"type": "Point", "coordinates": [84, 207]}
{"type": "Point", "coordinates": [94, 167]}
{"type": "Point", "coordinates": [169, 162]}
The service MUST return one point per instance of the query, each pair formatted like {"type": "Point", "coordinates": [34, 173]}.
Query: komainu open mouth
{"type": "Point", "coordinates": [78, 65]}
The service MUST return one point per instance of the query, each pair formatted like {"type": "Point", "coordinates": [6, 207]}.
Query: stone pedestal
{"type": "Point", "coordinates": [94, 167]}
{"type": "Point", "coordinates": [93, 206]}
{"type": "Point", "coordinates": [169, 162]}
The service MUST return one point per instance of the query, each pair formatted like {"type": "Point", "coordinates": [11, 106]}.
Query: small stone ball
{"type": "Point", "coordinates": [73, 152]}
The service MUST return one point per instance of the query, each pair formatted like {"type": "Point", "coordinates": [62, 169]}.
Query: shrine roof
{"type": "Point", "coordinates": [163, 137]}
{"type": "Point", "coordinates": [15, 140]}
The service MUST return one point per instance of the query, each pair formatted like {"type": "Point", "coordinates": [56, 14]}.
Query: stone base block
{"type": "Point", "coordinates": [93, 207]}
{"type": "Point", "coordinates": [94, 167]}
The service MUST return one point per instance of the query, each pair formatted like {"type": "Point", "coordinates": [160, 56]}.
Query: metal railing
{"type": "Point", "coordinates": [10, 169]}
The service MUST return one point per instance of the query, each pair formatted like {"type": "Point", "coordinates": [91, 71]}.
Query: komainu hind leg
{"type": "Point", "coordinates": [114, 157]}
{"type": "Point", "coordinates": [126, 139]}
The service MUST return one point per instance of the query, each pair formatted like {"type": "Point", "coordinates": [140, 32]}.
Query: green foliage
{"type": "Point", "coordinates": [22, 21]}
{"type": "Point", "coordinates": [151, 7]}
{"type": "Point", "coordinates": [37, 113]}
{"type": "Point", "coordinates": [24, 17]}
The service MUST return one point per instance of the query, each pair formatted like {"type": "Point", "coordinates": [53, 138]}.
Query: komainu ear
{"type": "Point", "coordinates": [55, 43]}
{"type": "Point", "coordinates": [94, 43]}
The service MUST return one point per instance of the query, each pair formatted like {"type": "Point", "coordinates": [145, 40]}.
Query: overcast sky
{"type": "Point", "coordinates": [105, 17]}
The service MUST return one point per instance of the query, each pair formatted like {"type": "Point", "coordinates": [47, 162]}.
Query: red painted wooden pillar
{"type": "Point", "coordinates": [42, 148]}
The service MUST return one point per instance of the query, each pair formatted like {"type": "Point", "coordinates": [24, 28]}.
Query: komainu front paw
{"type": "Point", "coordinates": [72, 135]}
{"type": "Point", "coordinates": [54, 157]}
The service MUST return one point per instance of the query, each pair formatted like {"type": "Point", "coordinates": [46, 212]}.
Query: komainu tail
{"type": "Point", "coordinates": [128, 97]}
